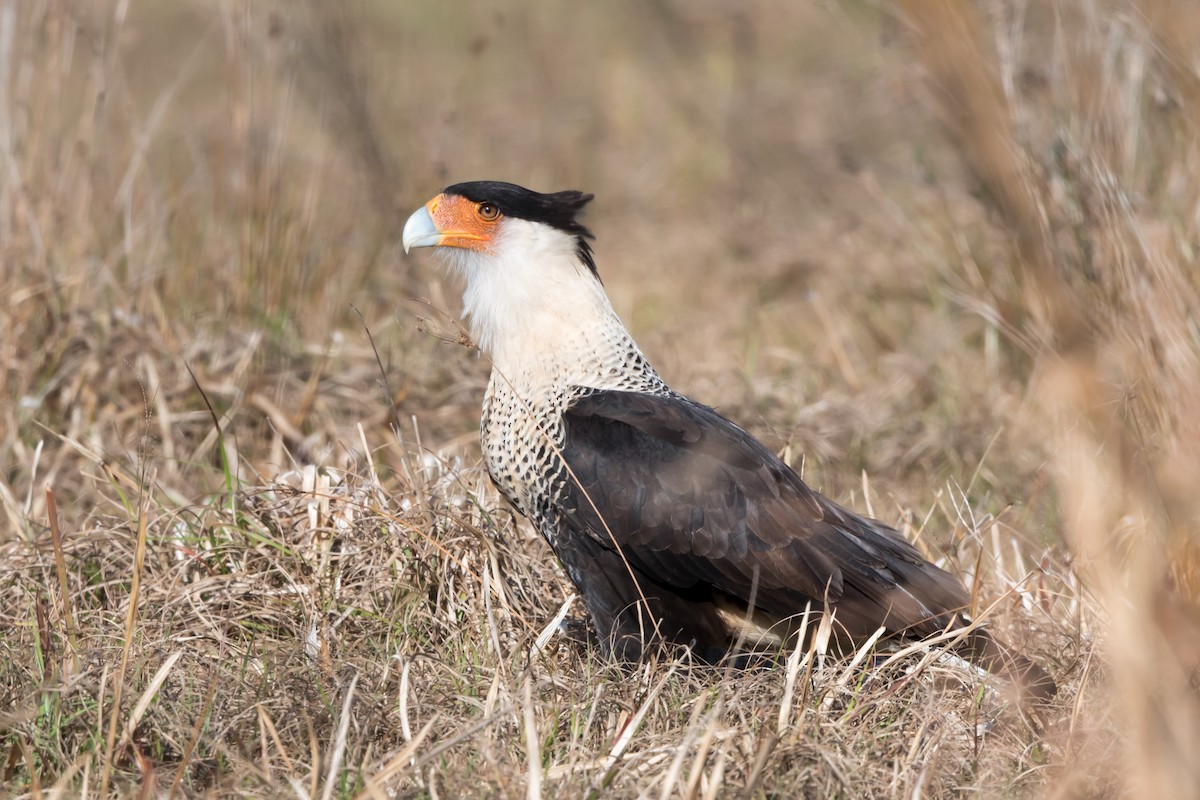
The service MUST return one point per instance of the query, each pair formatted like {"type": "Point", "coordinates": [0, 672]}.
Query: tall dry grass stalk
{"type": "Point", "coordinates": [1113, 295]}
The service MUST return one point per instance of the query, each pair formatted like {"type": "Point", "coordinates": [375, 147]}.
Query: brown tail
{"type": "Point", "coordinates": [1034, 683]}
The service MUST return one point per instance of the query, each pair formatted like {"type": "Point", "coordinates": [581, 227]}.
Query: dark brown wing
{"type": "Point", "coordinates": [693, 501]}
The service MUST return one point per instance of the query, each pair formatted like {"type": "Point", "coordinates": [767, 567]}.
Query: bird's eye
{"type": "Point", "coordinates": [488, 211]}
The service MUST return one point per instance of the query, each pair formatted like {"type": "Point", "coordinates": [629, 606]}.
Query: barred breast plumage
{"type": "Point", "coordinates": [522, 429]}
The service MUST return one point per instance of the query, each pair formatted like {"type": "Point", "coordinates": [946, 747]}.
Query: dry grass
{"type": "Point", "coordinates": [942, 256]}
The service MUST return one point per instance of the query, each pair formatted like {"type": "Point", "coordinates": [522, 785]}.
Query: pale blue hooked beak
{"type": "Point", "coordinates": [420, 231]}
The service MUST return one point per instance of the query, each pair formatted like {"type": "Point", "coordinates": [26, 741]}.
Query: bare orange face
{"type": "Point", "coordinates": [464, 223]}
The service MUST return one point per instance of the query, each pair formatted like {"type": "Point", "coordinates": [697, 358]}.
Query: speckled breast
{"type": "Point", "coordinates": [522, 440]}
{"type": "Point", "coordinates": [522, 428]}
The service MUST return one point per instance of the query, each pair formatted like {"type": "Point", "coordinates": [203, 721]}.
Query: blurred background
{"type": "Point", "coordinates": [779, 217]}
{"type": "Point", "coordinates": [942, 255]}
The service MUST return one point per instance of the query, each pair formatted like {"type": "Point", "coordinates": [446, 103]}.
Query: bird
{"type": "Point", "coordinates": [676, 526]}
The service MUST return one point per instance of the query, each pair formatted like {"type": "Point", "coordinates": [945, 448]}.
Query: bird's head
{"type": "Point", "coordinates": [484, 219]}
{"type": "Point", "coordinates": [525, 257]}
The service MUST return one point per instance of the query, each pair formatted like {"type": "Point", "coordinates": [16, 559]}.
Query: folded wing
{"type": "Point", "coordinates": [694, 502]}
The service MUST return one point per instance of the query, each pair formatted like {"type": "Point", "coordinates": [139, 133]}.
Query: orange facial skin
{"type": "Point", "coordinates": [463, 223]}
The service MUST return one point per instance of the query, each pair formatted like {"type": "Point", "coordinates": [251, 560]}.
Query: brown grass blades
{"type": "Point", "coordinates": [954, 247]}
{"type": "Point", "coordinates": [333, 773]}
{"type": "Point", "coordinates": [70, 663]}
{"type": "Point", "coordinates": [131, 616]}
{"type": "Point", "coordinates": [185, 757]}
{"type": "Point", "coordinates": [1121, 384]}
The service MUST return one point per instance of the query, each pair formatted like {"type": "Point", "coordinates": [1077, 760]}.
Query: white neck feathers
{"type": "Point", "coordinates": [535, 307]}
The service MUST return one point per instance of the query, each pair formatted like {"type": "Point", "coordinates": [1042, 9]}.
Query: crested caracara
{"type": "Point", "coordinates": [674, 523]}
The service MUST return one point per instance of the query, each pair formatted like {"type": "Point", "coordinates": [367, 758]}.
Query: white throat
{"type": "Point", "coordinates": [537, 310]}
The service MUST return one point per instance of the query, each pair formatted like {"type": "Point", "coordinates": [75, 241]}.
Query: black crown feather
{"type": "Point", "coordinates": [557, 209]}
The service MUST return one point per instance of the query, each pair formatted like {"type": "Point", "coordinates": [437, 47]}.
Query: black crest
{"type": "Point", "coordinates": [557, 209]}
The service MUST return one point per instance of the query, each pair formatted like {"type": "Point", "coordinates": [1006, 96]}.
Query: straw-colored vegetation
{"type": "Point", "coordinates": [941, 254]}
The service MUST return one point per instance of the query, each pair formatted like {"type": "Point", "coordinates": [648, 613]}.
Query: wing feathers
{"type": "Point", "coordinates": [702, 512]}
{"type": "Point", "coordinates": [691, 498]}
